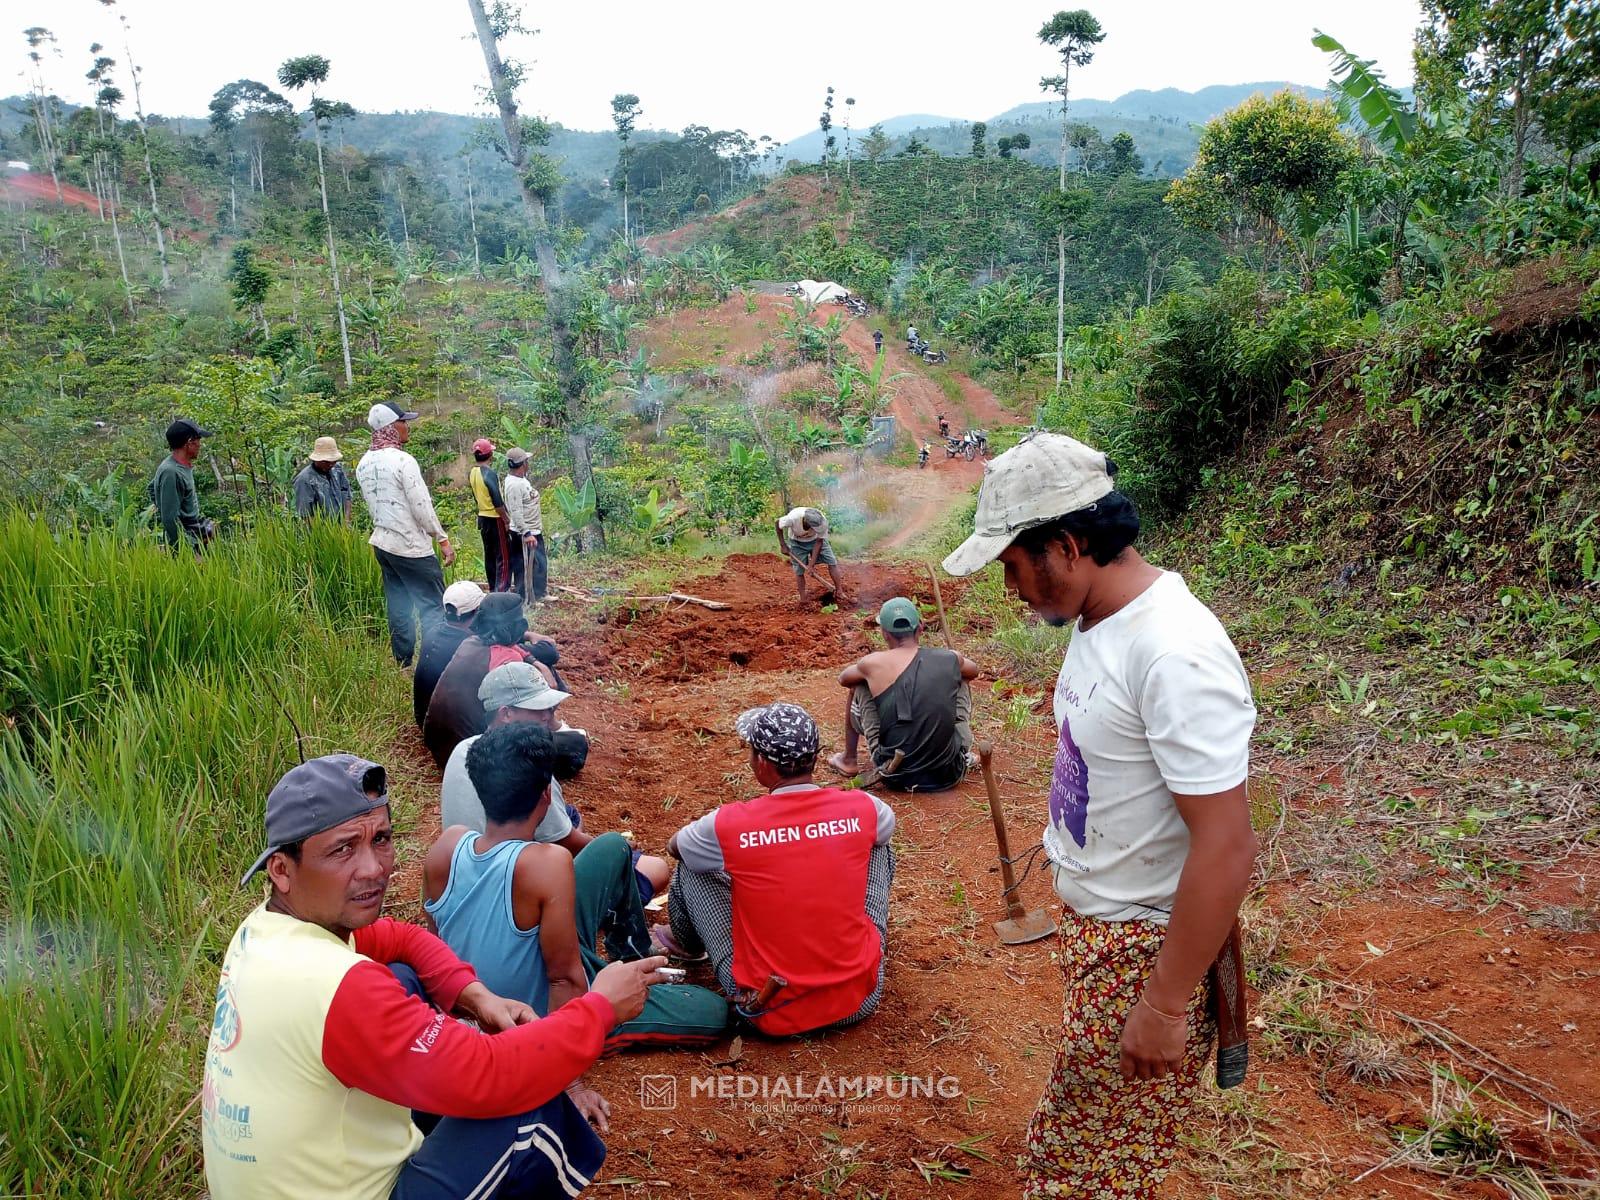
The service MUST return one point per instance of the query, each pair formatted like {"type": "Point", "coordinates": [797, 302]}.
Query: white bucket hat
{"type": "Point", "coordinates": [1042, 477]}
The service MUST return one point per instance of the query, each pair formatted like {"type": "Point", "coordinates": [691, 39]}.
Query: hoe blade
{"type": "Point", "coordinates": [1029, 927]}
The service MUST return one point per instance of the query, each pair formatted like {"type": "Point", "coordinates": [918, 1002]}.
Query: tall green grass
{"type": "Point", "coordinates": [145, 700]}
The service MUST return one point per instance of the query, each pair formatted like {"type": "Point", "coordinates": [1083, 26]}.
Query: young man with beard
{"type": "Point", "coordinates": [1149, 831]}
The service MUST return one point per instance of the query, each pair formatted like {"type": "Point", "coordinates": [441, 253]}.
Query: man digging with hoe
{"type": "Point", "coordinates": [803, 538]}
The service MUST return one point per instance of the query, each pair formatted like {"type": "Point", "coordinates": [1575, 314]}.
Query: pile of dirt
{"type": "Point", "coordinates": [764, 629]}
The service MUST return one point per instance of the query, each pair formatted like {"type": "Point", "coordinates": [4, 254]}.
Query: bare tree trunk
{"type": "Point", "coordinates": [47, 141]}
{"type": "Point", "coordinates": [550, 280]}
{"type": "Point", "coordinates": [472, 216]}
{"type": "Point", "coordinates": [149, 169]}
{"type": "Point", "coordinates": [1061, 302]}
{"type": "Point", "coordinates": [333, 256]}
{"type": "Point", "coordinates": [122, 261]}
{"type": "Point", "coordinates": [405, 225]}
{"type": "Point", "coordinates": [233, 198]}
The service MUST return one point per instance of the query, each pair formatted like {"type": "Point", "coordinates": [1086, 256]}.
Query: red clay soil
{"type": "Point", "coordinates": [658, 687]}
{"type": "Point", "coordinates": [804, 190]}
{"type": "Point", "coordinates": [31, 191]}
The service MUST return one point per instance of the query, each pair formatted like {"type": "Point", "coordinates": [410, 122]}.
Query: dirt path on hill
{"type": "Point", "coordinates": [658, 688]}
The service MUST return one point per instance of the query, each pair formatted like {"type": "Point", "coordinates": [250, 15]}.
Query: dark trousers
{"type": "Point", "coordinates": [536, 565]}
{"type": "Point", "coordinates": [550, 1151]}
{"type": "Point", "coordinates": [515, 557]}
{"type": "Point", "coordinates": [493, 532]}
{"type": "Point", "coordinates": [413, 590]}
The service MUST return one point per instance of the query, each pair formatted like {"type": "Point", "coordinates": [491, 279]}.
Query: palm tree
{"type": "Point", "coordinates": [1071, 34]}
{"type": "Point", "coordinates": [312, 70]}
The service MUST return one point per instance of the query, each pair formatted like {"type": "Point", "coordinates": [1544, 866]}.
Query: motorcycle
{"type": "Point", "coordinates": [954, 447]}
{"type": "Point", "coordinates": [936, 357]}
{"type": "Point", "coordinates": [922, 458]}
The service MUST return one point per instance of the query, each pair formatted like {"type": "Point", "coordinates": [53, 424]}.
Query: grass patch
{"type": "Point", "coordinates": [146, 697]}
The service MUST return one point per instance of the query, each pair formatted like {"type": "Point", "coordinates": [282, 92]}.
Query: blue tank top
{"type": "Point", "coordinates": [475, 919]}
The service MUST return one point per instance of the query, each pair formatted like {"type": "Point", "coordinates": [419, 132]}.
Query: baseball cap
{"type": "Point", "coordinates": [899, 615]}
{"type": "Point", "coordinates": [385, 413]}
{"type": "Point", "coordinates": [516, 456]}
{"type": "Point", "coordinates": [464, 596]}
{"type": "Point", "coordinates": [316, 796]}
{"type": "Point", "coordinates": [326, 450]}
{"type": "Point", "coordinates": [181, 430]}
{"type": "Point", "coordinates": [1042, 477]}
{"type": "Point", "coordinates": [783, 734]}
{"type": "Point", "coordinates": [518, 685]}
{"type": "Point", "coordinates": [483, 446]}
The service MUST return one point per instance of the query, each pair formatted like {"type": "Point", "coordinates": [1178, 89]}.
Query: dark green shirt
{"type": "Point", "coordinates": [177, 503]}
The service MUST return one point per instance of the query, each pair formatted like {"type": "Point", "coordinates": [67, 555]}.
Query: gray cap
{"type": "Point", "coordinates": [518, 685]}
{"type": "Point", "coordinates": [316, 796]}
{"type": "Point", "coordinates": [783, 734]}
{"type": "Point", "coordinates": [1042, 477]}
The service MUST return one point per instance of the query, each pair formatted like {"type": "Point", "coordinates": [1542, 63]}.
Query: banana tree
{"type": "Point", "coordinates": [577, 508]}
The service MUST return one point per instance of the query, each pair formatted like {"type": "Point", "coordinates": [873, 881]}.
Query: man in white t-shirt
{"type": "Point", "coordinates": [1149, 831]}
{"type": "Point", "coordinates": [803, 537]}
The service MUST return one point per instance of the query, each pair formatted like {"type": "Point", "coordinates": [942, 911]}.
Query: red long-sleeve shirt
{"type": "Point", "coordinates": [318, 1054]}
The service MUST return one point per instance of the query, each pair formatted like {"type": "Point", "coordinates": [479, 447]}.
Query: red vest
{"type": "Point", "coordinates": [798, 861]}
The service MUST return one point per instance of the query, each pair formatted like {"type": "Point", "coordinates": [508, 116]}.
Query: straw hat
{"type": "Point", "coordinates": [326, 450]}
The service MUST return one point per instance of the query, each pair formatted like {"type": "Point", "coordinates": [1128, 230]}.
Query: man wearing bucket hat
{"type": "Point", "coordinates": [322, 489]}
{"type": "Point", "coordinates": [404, 528]}
{"type": "Point", "coordinates": [912, 699]}
{"type": "Point", "coordinates": [788, 894]}
{"type": "Point", "coordinates": [332, 1027]}
{"type": "Point", "coordinates": [1149, 831]}
{"type": "Point", "coordinates": [493, 527]}
{"type": "Point", "coordinates": [803, 538]}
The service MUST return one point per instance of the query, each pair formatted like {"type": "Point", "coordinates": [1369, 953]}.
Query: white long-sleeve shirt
{"type": "Point", "coordinates": [403, 520]}
{"type": "Point", "coordinates": [522, 504]}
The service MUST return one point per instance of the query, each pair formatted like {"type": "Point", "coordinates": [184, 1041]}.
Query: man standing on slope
{"type": "Point", "coordinates": [526, 521]}
{"type": "Point", "coordinates": [492, 525]}
{"type": "Point", "coordinates": [172, 491]}
{"type": "Point", "coordinates": [326, 1039]}
{"type": "Point", "coordinates": [322, 489]}
{"type": "Point", "coordinates": [404, 528]}
{"type": "Point", "coordinates": [1149, 831]}
{"type": "Point", "coordinates": [803, 537]}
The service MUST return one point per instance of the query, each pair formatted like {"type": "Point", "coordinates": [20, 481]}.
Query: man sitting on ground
{"type": "Point", "coordinates": [803, 536]}
{"type": "Point", "coordinates": [325, 1037]}
{"type": "Point", "coordinates": [790, 891]}
{"type": "Point", "coordinates": [517, 694]}
{"type": "Point", "coordinates": [912, 699]}
{"type": "Point", "coordinates": [441, 641]}
{"type": "Point", "coordinates": [527, 915]}
{"type": "Point", "coordinates": [499, 636]}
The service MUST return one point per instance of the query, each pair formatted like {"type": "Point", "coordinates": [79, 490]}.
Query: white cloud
{"type": "Point", "coordinates": [725, 63]}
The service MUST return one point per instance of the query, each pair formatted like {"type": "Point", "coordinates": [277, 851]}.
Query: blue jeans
{"type": "Point", "coordinates": [548, 1152]}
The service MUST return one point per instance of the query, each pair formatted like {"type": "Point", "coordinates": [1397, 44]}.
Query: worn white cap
{"type": "Point", "coordinates": [1042, 477]}
{"type": "Point", "coordinates": [464, 596]}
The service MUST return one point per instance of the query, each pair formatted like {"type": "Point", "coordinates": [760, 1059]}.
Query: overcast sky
{"type": "Point", "coordinates": [743, 64]}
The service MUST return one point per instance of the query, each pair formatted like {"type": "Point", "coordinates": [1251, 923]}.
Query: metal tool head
{"type": "Point", "coordinates": [1029, 927]}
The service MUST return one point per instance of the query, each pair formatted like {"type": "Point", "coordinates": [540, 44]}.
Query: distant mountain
{"type": "Point", "coordinates": [1164, 124]}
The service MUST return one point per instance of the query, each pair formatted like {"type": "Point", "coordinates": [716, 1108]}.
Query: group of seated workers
{"type": "Point", "coordinates": [336, 1065]}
